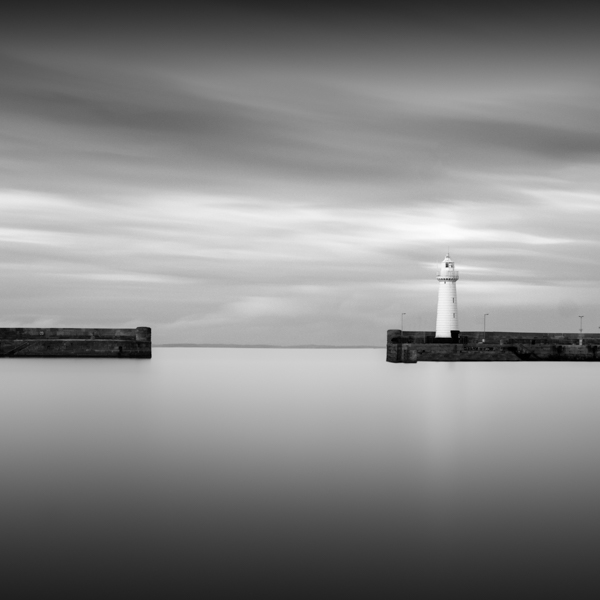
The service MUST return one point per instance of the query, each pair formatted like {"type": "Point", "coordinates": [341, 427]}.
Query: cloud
{"type": "Point", "coordinates": [295, 185]}
{"type": "Point", "coordinates": [284, 133]}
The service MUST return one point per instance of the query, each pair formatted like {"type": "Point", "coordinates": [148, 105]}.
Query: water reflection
{"type": "Point", "coordinates": [331, 465]}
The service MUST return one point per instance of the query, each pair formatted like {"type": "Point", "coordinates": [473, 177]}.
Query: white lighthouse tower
{"type": "Point", "coordinates": [447, 309]}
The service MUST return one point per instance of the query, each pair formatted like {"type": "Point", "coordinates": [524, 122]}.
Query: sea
{"type": "Point", "coordinates": [312, 472]}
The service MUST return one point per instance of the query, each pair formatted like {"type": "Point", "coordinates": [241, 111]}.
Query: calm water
{"type": "Point", "coordinates": [311, 470]}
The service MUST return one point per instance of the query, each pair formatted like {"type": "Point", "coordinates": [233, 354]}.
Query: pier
{"type": "Point", "coordinates": [413, 346]}
{"type": "Point", "coordinates": [75, 342]}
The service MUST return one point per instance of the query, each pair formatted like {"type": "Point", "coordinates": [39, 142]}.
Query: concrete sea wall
{"type": "Point", "coordinates": [75, 342]}
{"type": "Point", "coordinates": [413, 346]}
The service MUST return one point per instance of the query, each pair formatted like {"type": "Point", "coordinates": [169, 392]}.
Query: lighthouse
{"type": "Point", "coordinates": [447, 309]}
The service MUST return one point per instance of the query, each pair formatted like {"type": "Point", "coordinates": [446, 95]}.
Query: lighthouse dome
{"type": "Point", "coordinates": [447, 263]}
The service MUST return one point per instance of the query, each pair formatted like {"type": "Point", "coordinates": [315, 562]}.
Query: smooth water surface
{"type": "Point", "coordinates": [255, 468]}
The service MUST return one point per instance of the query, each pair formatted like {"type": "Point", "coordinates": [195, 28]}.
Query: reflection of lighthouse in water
{"type": "Point", "coordinates": [447, 309]}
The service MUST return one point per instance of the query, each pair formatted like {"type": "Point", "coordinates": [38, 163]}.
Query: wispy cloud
{"type": "Point", "coordinates": [261, 178]}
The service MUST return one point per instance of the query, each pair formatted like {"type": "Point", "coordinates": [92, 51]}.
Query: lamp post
{"type": "Point", "coordinates": [581, 330]}
{"type": "Point", "coordinates": [402, 321]}
{"type": "Point", "coordinates": [484, 316]}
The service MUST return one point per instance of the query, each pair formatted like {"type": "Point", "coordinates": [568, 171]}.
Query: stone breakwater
{"type": "Point", "coordinates": [412, 346]}
{"type": "Point", "coordinates": [73, 342]}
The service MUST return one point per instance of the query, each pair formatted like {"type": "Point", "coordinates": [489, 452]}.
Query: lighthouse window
{"type": "Point", "coordinates": [447, 264]}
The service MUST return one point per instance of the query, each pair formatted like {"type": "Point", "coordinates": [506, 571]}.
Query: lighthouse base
{"type": "Point", "coordinates": [451, 339]}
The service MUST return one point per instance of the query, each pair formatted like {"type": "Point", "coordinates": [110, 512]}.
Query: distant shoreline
{"type": "Point", "coordinates": [307, 346]}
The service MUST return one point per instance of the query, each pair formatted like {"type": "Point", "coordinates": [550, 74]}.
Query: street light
{"type": "Point", "coordinates": [402, 322]}
{"type": "Point", "coordinates": [484, 316]}
{"type": "Point", "coordinates": [581, 330]}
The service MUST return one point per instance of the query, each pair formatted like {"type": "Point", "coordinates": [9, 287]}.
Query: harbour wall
{"type": "Point", "coordinates": [75, 342]}
{"type": "Point", "coordinates": [412, 346]}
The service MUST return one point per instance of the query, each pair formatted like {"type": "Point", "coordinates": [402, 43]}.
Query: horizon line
{"type": "Point", "coordinates": [325, 346]}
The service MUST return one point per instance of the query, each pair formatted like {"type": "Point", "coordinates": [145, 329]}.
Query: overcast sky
{"type": "Point", "coordinates": [297, 177]}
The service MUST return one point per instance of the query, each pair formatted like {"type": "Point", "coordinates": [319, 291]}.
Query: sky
{"type": "Point", "coordinates": [296, 175]}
